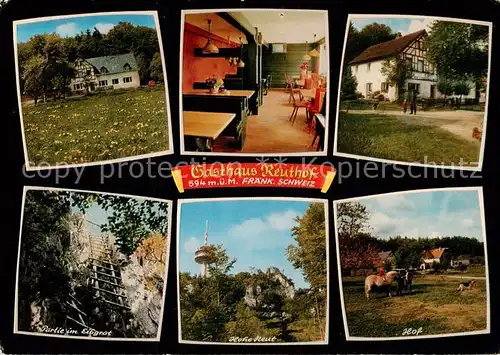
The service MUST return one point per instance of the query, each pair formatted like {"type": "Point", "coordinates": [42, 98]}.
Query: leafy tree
{"type": "Point", "coordinates": [246, 322]}
{"type": "Point", "coordinates": [156, 67]}
{"type": "Point", "coordinates": [352, 219]}
{"type": "Point", "coordinates": [131, 219]}
{"type": "Point", "coordinates": [32, 77]}
{"type": "Point", "coordinates": [458, 50]}
{"type": "Point", "coordinates": [349, 85]}
{"type": "Point", "coordinates": [45, 251]}
{"type": "Point", "coordinates": [397, 72]}
{"type": "Point", "coordinates": [371, 34]}
{"type": "Point", "coordinates": [310, 253]}
{"type": "Point", "coordinates": [445, 87]}
{"type": "Point", "coordinates": [461, 88]}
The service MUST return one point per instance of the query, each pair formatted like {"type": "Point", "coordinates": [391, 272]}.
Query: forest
{"type": "Point", "coordinates": [262, 305]}
{"type": "Point", "coordinates": [359, 248]}
{"type": "Point", "coordinates": [46, 61]}
{"type": "Point", "coordinates": [54, 270]}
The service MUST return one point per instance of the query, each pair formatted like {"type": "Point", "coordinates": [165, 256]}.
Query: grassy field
{"type": "Point", "coordinates": [110, 125]}
{"type": "Point", "coordinates": [386, 137]}
{"type": "Point", "coordinates": [435, 305]}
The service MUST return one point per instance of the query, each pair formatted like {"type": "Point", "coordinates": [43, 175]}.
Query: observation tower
{"type": "Point", "coordinates": [204, 254]}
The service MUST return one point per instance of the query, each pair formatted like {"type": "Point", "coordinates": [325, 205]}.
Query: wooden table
{"type": "Point", "coordinates": [234, 93]}
{"type": "Point", "coordinates": [308, 93]}
{"type": "Point", "coordinates": [204, 127]}
{"type": "Point", "coordinates": [236, 101]}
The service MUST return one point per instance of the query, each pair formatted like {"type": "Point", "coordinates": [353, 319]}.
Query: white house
{"type": "Point", "coordinates": [367, 68]}
{"type": "Point", "coordinates": [108, 72]}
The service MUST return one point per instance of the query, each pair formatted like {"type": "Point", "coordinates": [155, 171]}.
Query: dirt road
{"type": "Point", "coordinates": [460, 123]}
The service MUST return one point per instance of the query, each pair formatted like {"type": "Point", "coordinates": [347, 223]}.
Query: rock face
{"type": "Point", "coordinates": [144, 290]}
{"type": "Point", "coordinates": [286, 288]}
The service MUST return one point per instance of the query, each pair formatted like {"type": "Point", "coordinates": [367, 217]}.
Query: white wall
{"type": "Point", "coordinates": [121, 85]}
{"type": "Point", "coordinates": [364, 76]}
{"type": "Point", "coordinates": [374, 76]}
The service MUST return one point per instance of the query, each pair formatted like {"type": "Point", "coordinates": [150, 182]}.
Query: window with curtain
{"type": "Point", "coordinates": [323, 60]}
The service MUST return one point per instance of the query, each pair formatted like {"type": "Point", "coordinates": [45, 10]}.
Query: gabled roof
{"type": "Point", "coordinates": [383, 255]}
{"type": "Point", "coordinates": [386, 49]}
{"type": "Point", "coordinates": [114, 63]}
{"type": "Point", "coordinates": [437, 253]}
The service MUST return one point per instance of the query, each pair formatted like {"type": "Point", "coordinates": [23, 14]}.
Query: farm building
{"type": "Point", "coordinates": [367, 68]}
{"type": "Point", "coordinates": [437, 255]}
{"type": "Point", "coordinates": [105, 73]}
{"type": "Point", "coordinates": [386, 258]}
{"type": "Point", "coordinates": [460, 260]}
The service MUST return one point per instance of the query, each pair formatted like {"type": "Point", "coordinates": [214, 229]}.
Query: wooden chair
{"type": "Point", "coordinates": [298, 103]}
{"type": "Point", "coordinates": [319, 97]}
{"type": "Point", "coordinates": [289, 87]}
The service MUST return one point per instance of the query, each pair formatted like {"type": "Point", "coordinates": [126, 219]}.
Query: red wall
{"type": "Point", "coordinates": [197, 69]}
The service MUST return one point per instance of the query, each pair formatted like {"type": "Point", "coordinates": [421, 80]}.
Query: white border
{"type": "Point", "coordinates": [483, 139]}
{"type": "Point", "coordinates": [328, 289]}
{"type": "Point", "coordinates": [479, 190]}
{"type": "Point", "coordinates": [167, 259]}
{"type": "Point", "coordinates": [110, 161]}
{"type": "Point", "coordinates": [327, 98]}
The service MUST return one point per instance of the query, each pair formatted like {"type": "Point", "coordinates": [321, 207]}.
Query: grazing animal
{"type": "Point", "coordinates": [380, 281]}
{"type": "Point", "coordinates": [465, 285]}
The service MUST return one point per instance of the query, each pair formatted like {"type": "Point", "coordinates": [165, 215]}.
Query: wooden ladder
{"type": "Point", "coordinates": [105, 276]}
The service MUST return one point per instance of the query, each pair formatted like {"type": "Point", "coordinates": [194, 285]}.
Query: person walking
{"type": "Point", "coordinates": [404, 106]}
{"type": "Point", "coordinates": [413, 103]}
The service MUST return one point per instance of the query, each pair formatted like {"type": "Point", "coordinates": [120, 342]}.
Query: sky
{"type": "Point", "coordinates": [426, 214]}
{"type": "Point", "coordinates": [71, 26]}
{"type": "Point", "coordinates": [255, 232]}
{"type": "Point", "coordinates": [94, 214]}
{"type": "Point", "coordinates": [404, 25]}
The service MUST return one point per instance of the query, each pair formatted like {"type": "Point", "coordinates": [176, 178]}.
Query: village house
{"type": "Point", "coordinates": [385, 259]}
{"type": "Point", "coordinates": [432, 256]}
{"type": "Point", "coordinates": [460, 260]}
{"type": "Point", "coordinates": [367, 68]}
{"type": "Point", "coordinates": [106, 73]}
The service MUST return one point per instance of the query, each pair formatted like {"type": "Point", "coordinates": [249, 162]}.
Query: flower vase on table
{"type": "Point", "coordinates": [214, 83]}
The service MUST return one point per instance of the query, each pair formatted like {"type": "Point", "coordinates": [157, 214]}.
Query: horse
{"type": "Point", "coordinates": [380, 281]}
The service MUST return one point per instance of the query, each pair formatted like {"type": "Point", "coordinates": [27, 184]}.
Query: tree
{"type": "Point", "coordinates": [461, 88]}
{"type": "Point", "coordinates": [397, 72]}
{"type": "Point", "coordinates": [445, 87]}
{"type": "Point", "coordinates": [32, 77]}
{"type": "Point", "coordinates": [246, 322]}
{"type": "Point", "coordinates": [458, 50]}
{"type": "Point", "coordinates": [352, 219]}
{"type": "Point", "coordinates": [349, 85]}
{"type": "Point", "coordinates": [45, 252]}
{"type": "Point", "coordinates": [156, 67]}
{"type": "Point", "coordinates": [310, 253]}
{"type": "Point", "coordinates": [371, 34]}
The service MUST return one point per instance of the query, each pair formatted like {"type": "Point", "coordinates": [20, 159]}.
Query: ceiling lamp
{"type": "Point", "coordinates": [306, 56]}
{"type": "Point", "coordinates": [241, 64]}
{"type": "Point", "coordinates": [209, 48]}
{"type": "Point", "coordinates": [314, 52]}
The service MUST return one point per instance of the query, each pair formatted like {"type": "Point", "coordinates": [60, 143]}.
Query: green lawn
{"type": "Point", "coordinates": [436, 306]}
{"type": "Point", "coordinates": [111, 125]}
{"type": "Point", "coordinates": [385, 137]}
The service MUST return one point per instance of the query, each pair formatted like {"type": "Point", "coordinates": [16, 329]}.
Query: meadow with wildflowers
{"type": "Point", "coordinates": [111, 125]}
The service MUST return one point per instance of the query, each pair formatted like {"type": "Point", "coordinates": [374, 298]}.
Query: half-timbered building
{"type": "Point", "coordinates": [105, 73]}
{"type": "Point", "coordinates": [422, 77]}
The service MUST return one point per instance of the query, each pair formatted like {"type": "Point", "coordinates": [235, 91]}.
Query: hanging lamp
{"type": "Point", "coordinates": [241, 64]}
{"type": "Point", "coordinates": [314, 52]}
{"type": "Point", "coordinates": [306, 56]}
{"type": "Point", "coordinates": [210, 48]}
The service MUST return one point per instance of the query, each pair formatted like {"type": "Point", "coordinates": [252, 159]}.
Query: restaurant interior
{"type": "Point", "coordinates": [254, 81]}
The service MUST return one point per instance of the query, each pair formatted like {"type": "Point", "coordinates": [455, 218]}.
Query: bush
{"type": "Point", "coordinates": [359, 95]}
